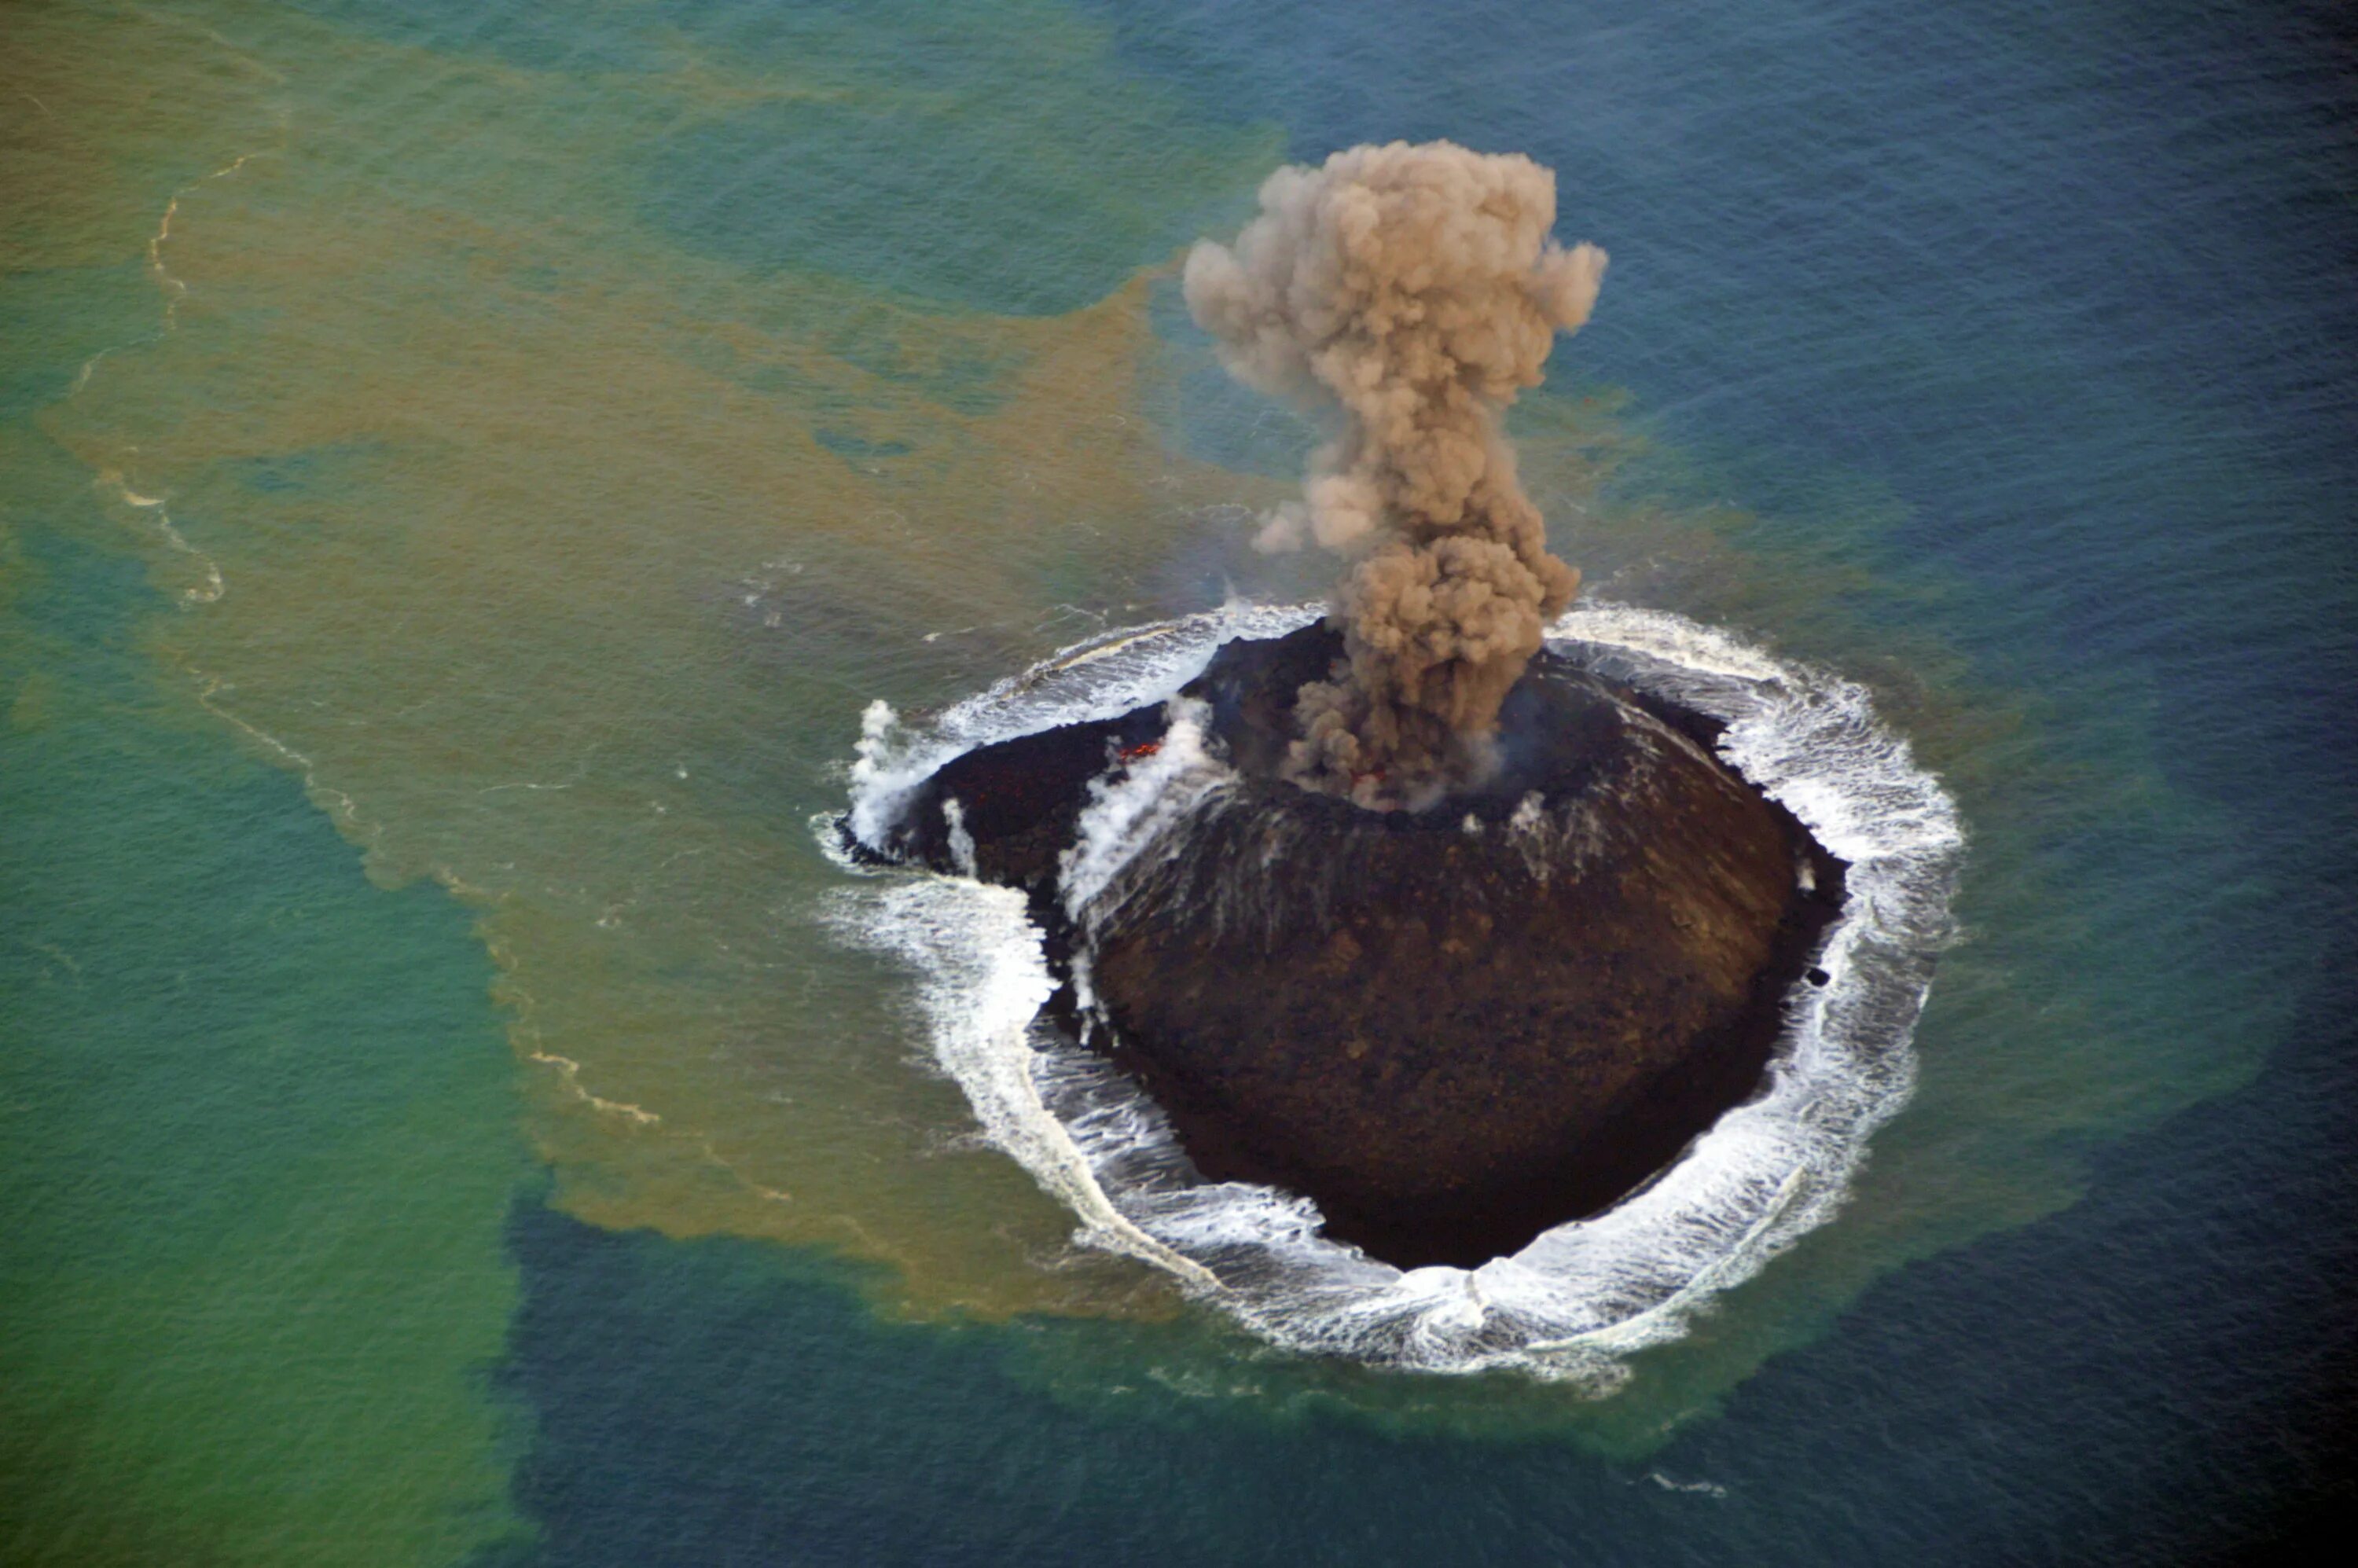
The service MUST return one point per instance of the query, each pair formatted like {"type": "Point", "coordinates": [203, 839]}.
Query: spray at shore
{"type": "Point", "coordinates": [1417, 289]}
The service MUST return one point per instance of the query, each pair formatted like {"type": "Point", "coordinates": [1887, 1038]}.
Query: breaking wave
{"type": "Point", "coordinates": [1578, 1298]}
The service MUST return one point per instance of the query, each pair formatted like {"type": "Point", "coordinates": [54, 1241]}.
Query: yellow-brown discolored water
{"type": "Point", "coordinates": [512, 530]}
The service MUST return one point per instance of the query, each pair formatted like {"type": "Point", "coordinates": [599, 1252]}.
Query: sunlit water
{"type": "Point", "coordinates": [499, 453]}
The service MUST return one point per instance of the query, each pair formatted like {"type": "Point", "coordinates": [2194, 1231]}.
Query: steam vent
{"type": "Point", "coordinates": [1452, 1028]}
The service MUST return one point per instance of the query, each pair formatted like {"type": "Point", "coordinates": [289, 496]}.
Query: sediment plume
{"type": "Point", "coordinates": [1417, 289]}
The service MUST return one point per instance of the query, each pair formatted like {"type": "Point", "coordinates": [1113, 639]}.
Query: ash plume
{"type": "Point", "coordinates": [1415, 287]}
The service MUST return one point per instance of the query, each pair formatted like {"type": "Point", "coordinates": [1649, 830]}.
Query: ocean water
{"type": "Point", "coordinates": [466, 470]}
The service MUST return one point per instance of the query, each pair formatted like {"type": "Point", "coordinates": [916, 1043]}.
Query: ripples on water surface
{"type": "Point", "coordinates": [538, 433]}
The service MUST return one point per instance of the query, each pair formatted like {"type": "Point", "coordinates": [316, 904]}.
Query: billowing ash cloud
{"type": "Point", "coordinates": [1417, 287]}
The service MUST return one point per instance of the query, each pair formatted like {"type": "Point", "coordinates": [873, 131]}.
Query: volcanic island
{"type": "Point", "coordinates": [1452, 1028]}
{"type": "Point", "coordinates": [1464, 939]}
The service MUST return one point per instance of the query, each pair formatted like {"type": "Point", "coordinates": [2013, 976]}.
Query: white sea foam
{"type": "Point", "coordinates": [981, 982]}
{"type": "Point", "coordinates": [1574, 1302]}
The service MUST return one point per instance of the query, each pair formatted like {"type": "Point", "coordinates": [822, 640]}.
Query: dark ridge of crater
{"type": "Point", "coordinates": [1454, 1028]}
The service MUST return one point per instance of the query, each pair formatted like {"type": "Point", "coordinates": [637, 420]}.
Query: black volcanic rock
{"type": "Point", "coordinates": [1453, 1028]}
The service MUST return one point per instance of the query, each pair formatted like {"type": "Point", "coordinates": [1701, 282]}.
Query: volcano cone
{"type": "Point", "coordinates": [1453, 1028]}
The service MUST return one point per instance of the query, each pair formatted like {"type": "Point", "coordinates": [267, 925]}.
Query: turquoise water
{"type": "Point", "coordinates": [464, 471]}
{"type": "Point", "coordinates": [260, 1137]}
